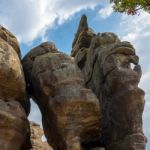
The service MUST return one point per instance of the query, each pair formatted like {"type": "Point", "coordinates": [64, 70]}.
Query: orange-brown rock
{"type": "Point", "coordinates": [106, 66]}
{"type": "Point", "coordinates": [12, 85]}
{"type": "Point", "coordinates": [14, 126]}
{"type": "Point", "coordinates": [70, 112]}
{"type": "Point", "coordinates": [36, 138]}
{"type": "Point", "coordinates": [10, 39]}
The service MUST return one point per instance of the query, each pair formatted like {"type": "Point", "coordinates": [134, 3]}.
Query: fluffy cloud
{"type": "Point", "coordinates": [136, 30]}
{"type": "Point", "coordinates": [135, 27]}
{"type": "Point", "coordinates": [106, 11]}
{"type": "Point", "coordinates": [29, 19]}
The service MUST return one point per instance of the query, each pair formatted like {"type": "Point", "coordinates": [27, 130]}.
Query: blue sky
{"type": "Point", "coordinates": [36, 21]}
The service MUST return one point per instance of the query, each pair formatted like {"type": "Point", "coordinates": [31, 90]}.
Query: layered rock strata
{"type": "Point", "coordinates": [14, 126]}
{"type": "Point", "coordinates": [70, 112]}
{"type": "Point", "coordinates": [110, 68]}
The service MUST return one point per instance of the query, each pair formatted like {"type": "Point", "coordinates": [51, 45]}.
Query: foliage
{"type": "Point", "coordinates": [131, 7]}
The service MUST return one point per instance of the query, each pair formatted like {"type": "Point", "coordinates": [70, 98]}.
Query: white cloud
{"type": "Point", "coordinates": [130, 37]}
{"type": "Point", "coordinates": [106, 11]}
{"type": "Point", "coordinates": [29, 19]}
{"type": "Point", "coordinates": [135, 28]}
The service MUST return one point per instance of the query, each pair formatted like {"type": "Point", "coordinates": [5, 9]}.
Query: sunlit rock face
{"type": "Point", "coordinates": [71, 113]}
{"type": "Point", "coordinates": [36, 138]}
{"type": "Point", "coordinates": [110, 68]}
{"type": "Point", "coordinates": [10, 39]}
{"type": "Point", "coordinates": [14, 105]}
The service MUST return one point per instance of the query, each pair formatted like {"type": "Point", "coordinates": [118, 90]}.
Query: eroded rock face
{"type": "Point", "coordinates": [106, 65]}
{"type": "Point", "coordinates": [70, 112]}
{"type": "Point", "coordinates": [72, 116]}
{"type": "Point", "coordinates": [12, 83]}
{"type": "Point", "coordinates": [14, 126]}
{"type": "Point", "coordinates": [36, 138]}
{"type": "Point", "coordinates": [10, 39]}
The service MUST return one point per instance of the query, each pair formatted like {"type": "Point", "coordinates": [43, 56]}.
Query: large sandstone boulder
{"type": "Point", "coordinates": [11, 75]}
{"type": "Point", "coordinates": [110, 68]}
{"type": "Point", "coordinates": [12, 85]}
{"type": "Point", "coordinates": [14, 105]}
{"type": "Point", "coordinates": [70, 112]}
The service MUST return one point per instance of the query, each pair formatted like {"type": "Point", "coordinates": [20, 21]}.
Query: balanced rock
{"type": "Point", "coordinates": [70, 112]}
{"type": "Point", "coordinates": [107, 68]}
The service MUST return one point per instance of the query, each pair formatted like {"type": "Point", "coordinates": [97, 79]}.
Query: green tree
{"type": "Point", "coordinates": [131, 7]}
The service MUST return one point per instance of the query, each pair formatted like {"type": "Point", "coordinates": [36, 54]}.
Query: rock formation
{"type": "Point", "coordinates": [14, 126]}
{"type": "Point", "coordinates": [36, 138]}
{"type": "Point", "coordinates": [70, 112]}
{"type": "Point", "coordinates": [106, 63]}
{"type": "Point", "coordinates": [88, 100]}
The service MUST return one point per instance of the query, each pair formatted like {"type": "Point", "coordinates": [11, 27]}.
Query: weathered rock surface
{"type": "Point", "coordinates": [10, 39]}
{"type": "Point", "coordinates": [14, 126]}
{"type": "Point", "coordinates": [36, 138]}
{"type": "Point", "coordinates": [12, 85]}
{"type": "Point", "coordinates": [106, 65]}
{"type": "Point", "coordinates": [70, 112]}
{"type": "Point", "coordinates": [87, 102]}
